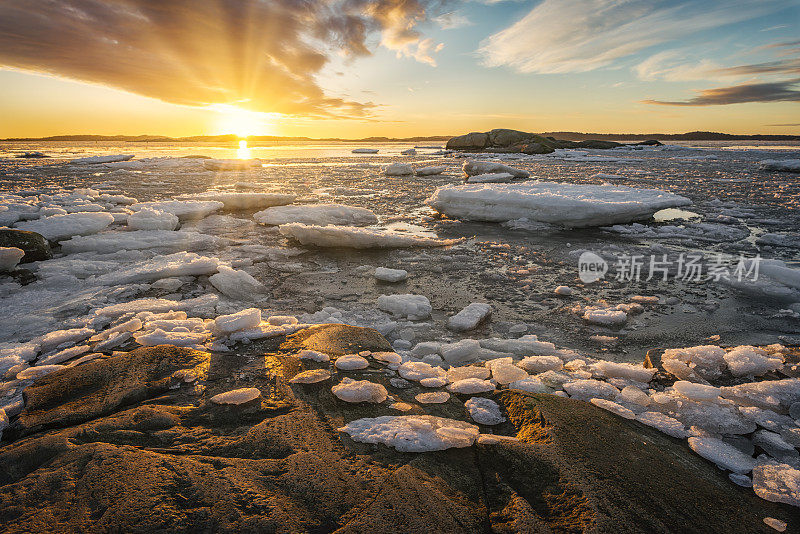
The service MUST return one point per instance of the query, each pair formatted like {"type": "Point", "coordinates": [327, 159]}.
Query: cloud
{"type": "Point", "coordinates": [784, 66]}
{"type": "Point", "coordinates": [783, 91]}
{"type": "Point", "coordinates": [452, 20]}
{"type": "Point", "coordinates": [262, 55]}
{"type": "Point", "coordinates": [671, 65]}
{"type": "Point", "coordinates": [560, 36]}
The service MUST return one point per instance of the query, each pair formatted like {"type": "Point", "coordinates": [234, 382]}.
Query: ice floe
{"type": "Point", "coordinates": [359, 238]}
{"type": "Point", "coordinates": [317, 214]}
{"type": "Point", "coordinates": [412, 433]}
{"type": "Point", "coordinates": [350, 390]}
{"type": "Point", "coordinates": [61, 227]}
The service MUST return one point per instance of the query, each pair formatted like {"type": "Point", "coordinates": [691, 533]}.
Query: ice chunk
{"type": "Point", "coordinates": [767, 418]}
{"type": "Point", "coordinates": [62, 338]}
{"type": "Point", "coordinates": [629, 371]}
{"type": "Point", "coordinates": [780, 165]}
{"type": "Point", "coordinates": [364, 151]}
{"type": "Point", "coordinates": [432, 397]}
{"type": "Point", "coordinates": [237, 396]}
{"type": "Point", "coordinates": [470, 317]}
{"type": "Point", "coordinates": [540, 364]}
{"type": "Point", "coordinates": [632, 394]}
{"type": "Point", "coordinates": [317, 214]}
{"type": "Point", "coordinates": [530, 385]}
{"type": "Point", "coordinates": [61, 227]}
{"type": "Point", "coordinates": [707, 361]}
{"type": "Point", "coordinates": [698, 392]}
{"type": "Point", "coordinates": [418, 370]}
{"type": "Point", "coordinates": [183, 209]}
{"type": "Point", "coordinates": [748, 360]}
{"type": "Point", "coordinates": [158, 336]}
{"type": "Point", "coordinates": [588, 388]}
{"type": "Point", "coordinates": [9, 258]}
{"type": "Point", "coordinates": [774, 445]}
{"type": "Point", "coordinates": [724, 455]}
{"type": "Point", "coordinates": [398, 169]}
{"type": "Point", "coordinates": [351, 362]}
{"type": "Point", "coordinates": [776, 482]}
{"type": "Point", "coordinates": [522, 346]}
{"type": "Point", "coordinates": [433, 382]}
{"type": "Point", "coordinates": [237, 284]}
{"type": "Point", "coordinates": [506, 372]}
{"type": "Point", "coordinates": [165, 240]}
{"type": "Point", "coordinates": [454, 374]}
{"type": "Point", "coordinates": [776, 395]}
{"type": "Point", "coordinates": [391, 358]}
{"type": "Point", "coordinates": [32, 373]}
{"type": "Point", "coordinates": [413, 433]}
{"type": "Point", "coordinates": [198, 305]}
{"type": "Point", "coordinates": [176, 264]}
{"type": "Point", "coordinates": [151, 219]}
{"type": "Point", "coordinates": [484, 411]}
{"type": "Point", "coordinates": [476, 168]}
{"type": "Point", "coordinates": [311, 377]}
{"type": "Point", "coordinates": [775, 524]}
{"type": "Point", "coordinates": [95, 160]}
{"type": "Point", "coordinates": [613, 407]}
{"type": "Point", "coordinates": [242, 201]}
{"type": "Point", "coordinates": [571, 205]}
{"type": "Point", "coordinates": [390, 275]}
{"type": "Point", "coordinates": [470, 386]}
{"type": "Point", "coordinates": [354, 237]}
{"type": "Point", "coordinates": [460, 351]}
{"type": "Point", "coordinates": [605, 316]}
{"type": "Point", "coordinates": [666, 424]}
{"type": "Point", "coordinates": [564, 291]}
{"type": "Point", "coordinates": [226, 324]}
{"type": "Point", "coordinates": [414, 307]}
{"type": "Point", "coordinates": [63, 355]}
{"type": "Point", "coordinates": [430, 171]}
{"type": "Point", "coordinates": [350, 390]}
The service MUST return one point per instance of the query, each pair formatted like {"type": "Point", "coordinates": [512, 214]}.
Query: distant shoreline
{"type": "Point", "coordinates": [569, 136]}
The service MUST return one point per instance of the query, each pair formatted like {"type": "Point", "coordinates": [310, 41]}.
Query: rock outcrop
{"type": "Point", "coordinates": [132, 443]}
{"type": "Point", "coordinates": [35, 245]}
{"type": "Point", "coordinates": [512, 141]}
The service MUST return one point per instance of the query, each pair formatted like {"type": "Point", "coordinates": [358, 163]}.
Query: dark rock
{"type": "Point", "coordinates": [652, 359]}
{"type": "Point", "coordinates": [144, 456]}
{"type": "Point", "coordinates": [31, 155]}
{"type": "Point", "coordinates": [470, 141]}
{"type": "Point", "coordinates": [503, 140]}
{"type": "Point", "coordinates": [594, 143]}
{"type": "Point", "coordinates": [35, 245]}
{"type": "Point", "coordinates": [649, 142]}
{"type": "Point", "coordinates": [536, 148]}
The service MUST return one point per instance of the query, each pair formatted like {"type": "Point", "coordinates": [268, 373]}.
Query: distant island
{"type": "Point", "coordinates": [570, 136]}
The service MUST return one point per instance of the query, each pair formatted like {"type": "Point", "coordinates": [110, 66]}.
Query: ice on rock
{"type": "Point", "coordinates": [413, 433]}
{"type": "Point", "coordinates": [634, 395]}
{"type": "Point", "coordinates": [351, 362]}
{"type": "Point", "coordinates": [227, 324]}
{"type": "Point", "coordinates": [359, 238]}
{"type": "Point", "coordinates": [564, 291]}
{"type": "Point", "coordinates": [350, 390]}
{"type": "Point", "coordinates": [390, 358]}
{"type": "Point", "coordinates": [433, 382]}
{"type": "Point", "coordinates": [470, 317]}
{"type": "Point", "coordinates": [182, 209]}
{"type": "Point", "coordinates": [531, 384]}
{"type": "Point", "coordinates": [664, 423]}
{"type": "Point", "coordinates": [63, 338]}
{"type": "Point", "coordinates": [504, 371]}
{"type": "Point", "coordinates": [523, 346]}
{"type": "Point", "coordinates": [776, 482]}
{"type": "Point", "coordinates": [454, 374]}
{"type": "Point", "coordinates": [163, 240]}
{"type": "Point", "coordinates": [114, 340]}
{"type": "Point", "coordinates": [413, 307]}
{"type": "Point", "coordinates": [706, 361]}
{"type": "Point", "coordinates": [570, 205]}
{"type": "Point", "coordinates": [390, 275]}
{"type": "Point", "coordinates": [589, 388]}
{"type": "Point", "coordinates": [238, 285]}
{"type": "Point", "coordinates": [9, 258]}
{"type": "Point", "coordinates": [776, 395]}
{"type": "Point", "coordinates": [432, 397]}
{"type": "Point", "coordinates": [484, 411]}
{"type": "Point", "coordinates": [398, 169]}
{"type": "Point", "coordinates": [430, 171]}
{"type": "Point", "coordinates": [628, 371]}
{"type": "Point", "coordinates": [61, 227]}
{"type": "Point", "coordinates": [490, 178]}
{"type": "Point", "coordinates": [605, 316]}
{"type": "Point", "coordinates": [63, 355]}
{"type": "Point", "coordinates": [780, 165]}
{"type": "Point", "coordinates": [418, 370]}
{"type": "Point", "coordinates": [151, 219]}
{"type": "Point", "coordinates": [613, 407]}
{"type": "Point", "coordinates": [476, 168]}
{"type": "Point", "coordinates": [471, 386]}
{"type": "Point", "coordinates": [237, 396]}
{"type": "Point", "coordinates": [540, 364]}
{"type": "Point", "coordinates": [724, 455]}
{"type": "Point", "coordinates": [697, 392]}
{"type": "Point", "coordinates": [316, 214]}
{"type": "Point", "coordinates": [96, 160]}
{"type": "Point", "coordinates": [747, 360]}
{"type": "Point", "coordinates": [311, 377]}
{"type": "Point", "coordinates": [32, 373]}
{"type": "Point", "coordinates": [775, 524]}
{"type": "Point", "coordinates": [242, 201]}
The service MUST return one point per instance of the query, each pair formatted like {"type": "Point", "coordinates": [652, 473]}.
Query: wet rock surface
{"type": "Point", "coordinates": [133, 443]}
{"type": "Point", "coordinates": [35, 246]}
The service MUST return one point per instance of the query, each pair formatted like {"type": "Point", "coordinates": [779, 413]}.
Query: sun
{"type": "Point", "coordinates": [241, 122]}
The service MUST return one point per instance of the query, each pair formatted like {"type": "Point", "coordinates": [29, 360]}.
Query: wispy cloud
{"type": "Point", "coordinates": [452, 20]}
{"type": "Point", "coordinates": [672, 65]}
{"type": "Point", "coordinates": [259, 54]}
{"type": "Point", "coordinates": [581, 35]}
{"type": "Point", "coordinates": [783, 91]}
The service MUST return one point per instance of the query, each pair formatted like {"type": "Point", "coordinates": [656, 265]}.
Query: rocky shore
{"type": "Point", "coordinates": [503, 140]}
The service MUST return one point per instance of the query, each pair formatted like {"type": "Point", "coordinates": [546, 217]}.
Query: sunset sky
{"type": "Point", "coordinates": [354, 68]}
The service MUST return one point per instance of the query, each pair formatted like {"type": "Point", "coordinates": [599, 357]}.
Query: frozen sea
{"type": "Point", "coordinates": [515, 267]}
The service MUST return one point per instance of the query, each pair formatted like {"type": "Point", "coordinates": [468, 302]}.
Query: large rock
{"type": "Point", "coordinates": [35, 245]}
{"type": "Point", "coordinates": [142, 457]}
{"type": "Point", "coordinates": [470, 141]}
{"type": "Point", "coordinates": [502, 140]}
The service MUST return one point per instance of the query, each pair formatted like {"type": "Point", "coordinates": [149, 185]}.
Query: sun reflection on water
{"type": "Point", "coordinates": [244, 151]}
